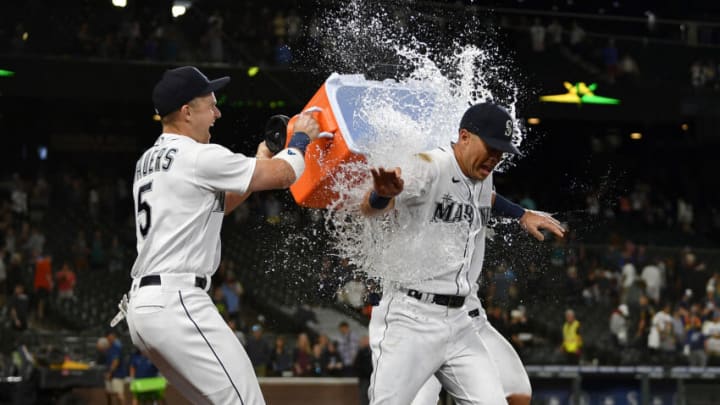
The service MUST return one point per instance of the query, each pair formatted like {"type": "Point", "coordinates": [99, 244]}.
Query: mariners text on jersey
{"type": "Point", "coordinates": [449, 210]}
{"type": "Point", "coordinates": [154, 160]}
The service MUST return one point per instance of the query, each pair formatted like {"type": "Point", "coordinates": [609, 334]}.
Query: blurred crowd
{"type": "Point", "coordinates": [255, 33]}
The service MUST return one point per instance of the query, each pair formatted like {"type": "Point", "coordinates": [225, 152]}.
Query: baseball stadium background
{"type": "Point", "coordinates": [636, 183]}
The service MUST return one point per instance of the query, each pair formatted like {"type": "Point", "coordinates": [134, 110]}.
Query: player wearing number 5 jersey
{"type": "Point", "coordinates": [182, 187]}
{"type": "Point", "coordinates": [421, 328]}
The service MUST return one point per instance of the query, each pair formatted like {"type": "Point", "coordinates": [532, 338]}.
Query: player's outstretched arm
{"type": "Point", "coordinates": [287, 165]}
{"type": "Point", "coordinates": [386, 185]}
{"type": "Point", "coordinates": [532, 221]}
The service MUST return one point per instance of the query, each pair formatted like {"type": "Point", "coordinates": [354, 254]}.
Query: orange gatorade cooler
{"type": "Point", "coordinates": [346, 136]}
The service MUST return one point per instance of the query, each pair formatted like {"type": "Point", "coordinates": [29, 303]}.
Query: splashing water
{"type": "Point", "coordinates": [394, 247]}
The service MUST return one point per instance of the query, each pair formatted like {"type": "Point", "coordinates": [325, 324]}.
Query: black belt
{"type": "Point", "coordinates": [451, 301]}
{"type": "Point", "coordinates": [155, 280]}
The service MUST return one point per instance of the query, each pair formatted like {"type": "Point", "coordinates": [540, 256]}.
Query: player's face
{"type": "Point", "coordinates": [477, 160]}
{"type": "Point", "coordinates": [204, 113]}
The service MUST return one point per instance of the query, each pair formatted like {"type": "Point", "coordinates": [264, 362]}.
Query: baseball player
{"type": "Point", "coordinates": [182, 187]}
{"type": "Point", "coordinates": [422, 328]}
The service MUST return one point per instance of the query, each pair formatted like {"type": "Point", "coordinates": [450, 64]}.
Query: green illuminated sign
{"type": "Point", "coordinates": [6, 73]}
{"type": "Point", "coordinates": [580, 93]}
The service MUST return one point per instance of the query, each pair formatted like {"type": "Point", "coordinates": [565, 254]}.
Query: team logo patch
{"type": "Point", "coordinates": [508, 128]}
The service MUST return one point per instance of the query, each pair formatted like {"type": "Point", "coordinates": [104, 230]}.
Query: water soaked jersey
{"type": "Point", "coordinates": [444, 214]}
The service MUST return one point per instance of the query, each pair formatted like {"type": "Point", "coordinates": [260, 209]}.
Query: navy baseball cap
{"type": "Point", "coordinates": [492, 123]}
{"type": "Point", "coordinates": [180, 85]}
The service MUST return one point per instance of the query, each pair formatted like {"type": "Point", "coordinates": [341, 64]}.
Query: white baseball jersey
{"type": "Point", "coordinates": [454, 209]}
{"type": "Point", "coordinates": [179, 191]}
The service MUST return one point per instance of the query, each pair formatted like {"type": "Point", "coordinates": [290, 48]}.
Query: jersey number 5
{"type": "Point", "coordinates": [143, 206]}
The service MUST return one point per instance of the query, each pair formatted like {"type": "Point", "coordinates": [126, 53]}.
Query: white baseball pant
{"type": "Point", "coordinates": [179, 328]}
{"type": "Point", "coordinates": [413, 340]}
{"type": "Point", "coordinates": [513, 377]}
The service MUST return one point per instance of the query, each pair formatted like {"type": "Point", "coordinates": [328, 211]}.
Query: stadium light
{"type": "Point", "coordinates": [179, 7]}
{"type": "Point", "coordinates": [684, 127]}
{"type": "Point", "coordinates": [533, 120]}
{"type": "Point", "coordinates": [119, 3]}
{"type": "Point", "coordinates": [636, 136]}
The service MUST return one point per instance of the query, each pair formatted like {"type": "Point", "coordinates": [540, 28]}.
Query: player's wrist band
{"type": "Point", "coordinates": [299, 141]}
{"type": "Point", "coordinates": [506, 208]}
{"type": "Point", "coordinates": [294, 158]}
{"type": "Point", "coordinates": [378, 202]}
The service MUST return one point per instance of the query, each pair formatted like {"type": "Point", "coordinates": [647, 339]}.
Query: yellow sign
{"type": "Point", "coordinates": [580, 93]}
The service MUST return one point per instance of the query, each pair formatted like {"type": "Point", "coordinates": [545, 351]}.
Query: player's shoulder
{"type": "Point", "coordinates": [432, 156]}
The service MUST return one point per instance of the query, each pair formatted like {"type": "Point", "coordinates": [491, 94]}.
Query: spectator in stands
{"type": "Point", "coordinates": [19, 306]}
{"type": "Point", "coordinates": [36, 241]}
{"type": "Point", "coordinates": [258, 350]}
{"type": "Point", "coordinates": [19, 199]}
{"type": "Point", "coordinates": [572, 339]}
{"type": "Point", "coordinates": [333, 364]}
{"type": "Point", "coordinates": [214, 38]}
{"type": "Point", "coordinates": [627, 279]}
{"type": "Point", "coordinates": [695, 343]}
{"type": "Point", "coordinates": [681, 322]}
{"type": "Point", "coordinates": [363, 368]}
{"type": "Point", "coordinates": [537, 36]}
{"type": "Point", "coordinates": [555, 32]}
{"type": "Point", "coordinates": [281, 360]}
{"type": "Point", "coordinates": [628, 67]}
{"type": "Point", "coordinates": [141, 367]}
{"type": "Point", "coordinates": [318, 361]}
{"type": "Point", "coordinates": [694, 275]}
{"type": "Point", "coordinates": [712, 348]}
{"type": "Point", "coordinates": [232, 291]}
{"type": "Point", "coordinates": [577, 37]}
{"type": "Point", "coordinates": [283, 54]}
{"type": "Point", "coordinates": [619, 325]}
{"type": "Point", "coordinates": [116, 369]}
{"type": "Point", "coordinates": [347, 343]}
{"type": "Point", "coordinates": [302, 357]}
{"type": "Point", "coordinates": [712, 289]}
{"type": "Point", "coordinates": [661, 339]}
{"type": "Point", "coordinates": [520, 333]}
{"type": "Point", "coordinates": [219, 300]}
{"type": "Point", "coordinates": [43, 282]}
{"type": "Point", "coordinates": [644, 321]}
{"type": "Point", "coordinates": [712, 321]}
{"type": "Point", "coordinates": [653, 275]}
{"type": "Point", "coordinates": [610, 59]}
{"type": "Point", "coordinates": [65, 279]}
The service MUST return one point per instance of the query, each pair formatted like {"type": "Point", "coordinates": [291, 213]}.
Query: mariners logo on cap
{"type": "Point", "coordinates": [508, 128]}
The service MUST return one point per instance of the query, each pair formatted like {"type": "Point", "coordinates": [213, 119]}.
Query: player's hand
{"type": "Point", "coordinates": [387, 183]}
{"type": "Point", "coordinates": [263, 152]}
{"type": "Point", "coordinates": [306, 123]}
{"type": "Point", "coordinates": [534, 221]}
